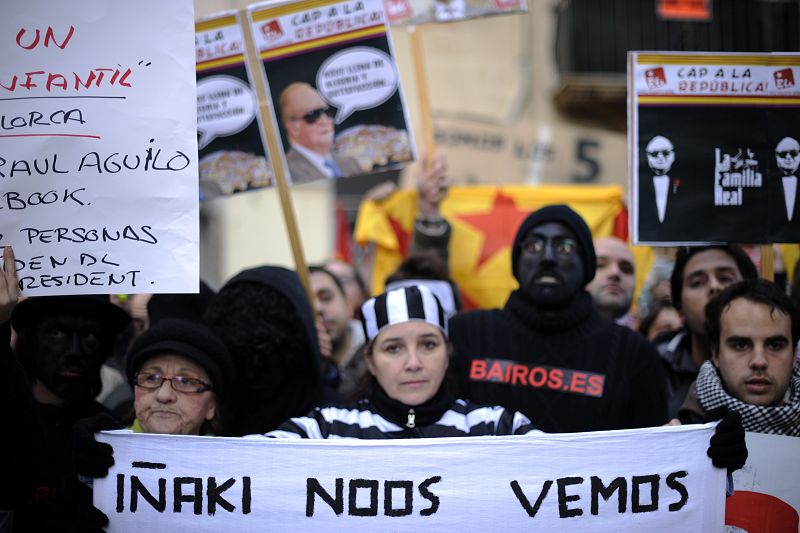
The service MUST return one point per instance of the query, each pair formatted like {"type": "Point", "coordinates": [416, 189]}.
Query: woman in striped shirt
{"type": "Point", "coordinates": [407, 354]}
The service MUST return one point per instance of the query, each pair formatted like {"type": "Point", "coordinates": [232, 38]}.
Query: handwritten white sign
{"type": "Point", "coordinates": [98, 145]}
{"type": "Point", "coordinates": [657, 479]}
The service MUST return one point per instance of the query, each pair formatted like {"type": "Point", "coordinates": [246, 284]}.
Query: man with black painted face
{"type": "Point", "coordinates": [548, 353]}
{"type": "Point", "coordinates": [61, 343]}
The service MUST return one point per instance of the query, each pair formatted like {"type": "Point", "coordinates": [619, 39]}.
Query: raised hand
{"type": "Point", "coordinates": [9, 285]}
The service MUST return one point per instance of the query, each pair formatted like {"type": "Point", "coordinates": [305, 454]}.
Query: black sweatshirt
{"type": "Point", "coordinates": [571, 370]}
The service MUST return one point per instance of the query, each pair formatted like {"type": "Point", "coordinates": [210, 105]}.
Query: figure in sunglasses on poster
{"type": "Point", "coordinates": [787, 156]}
{"type": "Point", "coordinates": [660, 157]}
{"type": "Point", "coordinates": [308, 122]}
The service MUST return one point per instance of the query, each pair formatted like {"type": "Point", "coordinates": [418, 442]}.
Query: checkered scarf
{"type": "Point", "coordinates": [782, 420]}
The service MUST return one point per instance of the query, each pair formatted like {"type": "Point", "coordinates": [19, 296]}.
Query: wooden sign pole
{"type": "Point", "coordinates": [767, 262]}
{"type": "Point", "coordinates": [270, 129]}
{"type": "Point", "coordinates": [423, 95]}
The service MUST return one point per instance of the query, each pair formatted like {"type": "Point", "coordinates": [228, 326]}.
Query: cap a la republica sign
{"type": "Point", "coordinates": [714, 147]}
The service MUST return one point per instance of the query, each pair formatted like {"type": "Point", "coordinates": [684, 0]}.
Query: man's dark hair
{"type": "Point", "coordinates": [758, 291]}
{"type": "Point", "coordinates": [746, 267]}
{"type": "Point", "coordinates": [334, 277]}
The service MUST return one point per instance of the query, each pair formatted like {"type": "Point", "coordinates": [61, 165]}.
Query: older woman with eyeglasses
{"type": "Point", "coordinates": [179, 371]}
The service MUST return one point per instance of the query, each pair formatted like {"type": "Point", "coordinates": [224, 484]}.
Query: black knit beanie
{"type": "Point", "coordinates": [571, 219]}
{"type": "Point", "coordinates": [189, 339]}
{"type": "Point", "coordinates": [98, 306]}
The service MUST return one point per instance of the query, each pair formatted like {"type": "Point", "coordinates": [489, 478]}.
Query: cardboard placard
{"type": "Point", "coordinates": [98, 151]}
{"type": "Point", "coordinates": [713, 147]}
{"type": "Point", "coordinates": [334, 87]}
{"type": "Point", "coordinates": [233, 157]}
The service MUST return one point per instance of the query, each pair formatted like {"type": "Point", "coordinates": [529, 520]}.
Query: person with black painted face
{"type": "Point", "coordinates": [61, 343]}
{"type": "Point", "coordinates": [548, 353]}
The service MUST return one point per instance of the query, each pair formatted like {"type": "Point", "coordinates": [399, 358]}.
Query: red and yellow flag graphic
{"type": "Point", "coordinates": [484, 220]}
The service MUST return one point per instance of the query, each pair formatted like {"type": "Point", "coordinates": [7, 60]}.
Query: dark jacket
{"type": "Point", "coordinates": [691, 411]}
{"type": "Point", "coordinates": [273, 340]}
{"type": "Point", "coordinates": [575, 371]}
{"type": "Point", "coordinates": [680, 370]}
{"type": "Point", "coordinates": [38, 453]}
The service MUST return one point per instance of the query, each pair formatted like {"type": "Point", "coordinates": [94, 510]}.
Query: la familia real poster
{"type": "Point", "coordinates": [714, 147]}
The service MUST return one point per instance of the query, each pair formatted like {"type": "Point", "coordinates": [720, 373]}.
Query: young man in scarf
{"type": "Point", "coordinates": [753, 328]}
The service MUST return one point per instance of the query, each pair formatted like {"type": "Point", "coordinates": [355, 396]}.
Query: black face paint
{"type": "Point", "coordinates": [67, 354]}
{"type": "Point", "coordinates": [550, 268]}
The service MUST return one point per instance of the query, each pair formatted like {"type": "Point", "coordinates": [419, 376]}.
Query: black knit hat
{"type": "Point", "coordinates": [97, 306]}
{"type": "Point", "coordinates": [189, 339]}
{"type": "Point", "coordinates": [571, 219]}
{"type": "Point", "coordinates": [187, 306]}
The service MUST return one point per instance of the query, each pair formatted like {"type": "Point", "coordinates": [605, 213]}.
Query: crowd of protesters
{"type": "Point", "coordinates": [257, 357]}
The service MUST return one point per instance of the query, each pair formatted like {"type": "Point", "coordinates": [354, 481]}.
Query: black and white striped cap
{"type": "Point", "coordinates": [401, 305]}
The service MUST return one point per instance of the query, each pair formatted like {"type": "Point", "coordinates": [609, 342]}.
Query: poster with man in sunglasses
{"type": "Point", "coordinates": [334, 86]}
{"type": "Point", "coordinates": [309, 125]}
{"type": "Point", "coordinates": [712, 147]}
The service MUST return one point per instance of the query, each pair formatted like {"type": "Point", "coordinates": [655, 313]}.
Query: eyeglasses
{"type": "Point", "coordinates": [313, 115]}
{"type": "Point", "coordinates": [659, 153]}
{"type": "Point", "coordinates": [151, 381]}
{"type": "Point", "coordinates": [787, 153]}
{"type": "Point", "coordinates": [562, 246]}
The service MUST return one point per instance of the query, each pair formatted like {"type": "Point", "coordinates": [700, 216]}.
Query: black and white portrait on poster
{"type": "Point", "coordinates": [787, 155]}
{"type": "Point", "coordinates": [660, 156]}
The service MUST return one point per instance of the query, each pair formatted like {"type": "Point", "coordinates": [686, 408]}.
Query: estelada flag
{"type": "Point", "coordinates": [484, 221]}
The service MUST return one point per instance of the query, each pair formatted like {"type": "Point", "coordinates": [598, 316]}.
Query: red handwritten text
{"type": "Point", "coordinates": [49, 37]}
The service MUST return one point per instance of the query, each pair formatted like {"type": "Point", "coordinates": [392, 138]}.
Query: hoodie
{"type": "Point", "coordinates": [264, 317]}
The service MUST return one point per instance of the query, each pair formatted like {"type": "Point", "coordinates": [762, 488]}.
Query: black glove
{"type": "Point", "coordinates": [74, 510]}
{"type": "Point", "coordinates": [88, 519]}
{"type": "Point", "coordinates": [92, 458]}
{"type": "Point", "coordinates": [727, 448]}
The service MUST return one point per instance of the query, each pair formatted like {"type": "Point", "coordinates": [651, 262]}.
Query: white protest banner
{"type": "Point", "coordinates": [98, 146]}
{"type": "Point", "coordinates": [767, 497]}
{"type": "Point", "coordinates": [636, 480]}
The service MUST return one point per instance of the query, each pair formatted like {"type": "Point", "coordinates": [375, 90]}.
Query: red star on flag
{"type": "Point", "coordinates": [498, 226]}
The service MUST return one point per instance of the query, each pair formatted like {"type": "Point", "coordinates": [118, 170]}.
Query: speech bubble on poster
{"type": "Point", "coordinates": [357, 78]}
{"type": "Point", "coordinates": [225, 105]}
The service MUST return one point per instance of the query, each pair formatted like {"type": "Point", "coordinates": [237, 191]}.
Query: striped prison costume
{"type": "Point", "coordinates": [461, 419]}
